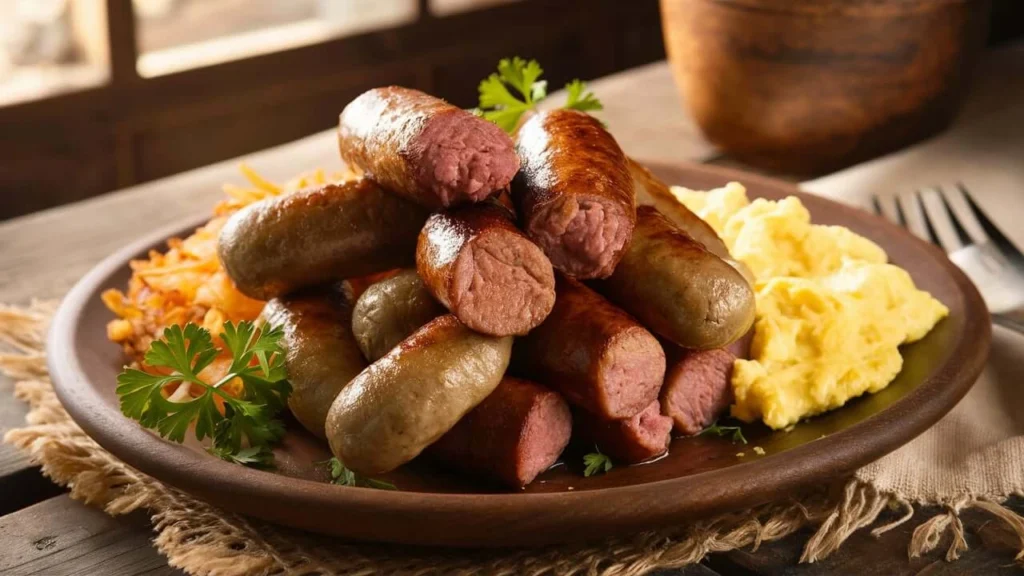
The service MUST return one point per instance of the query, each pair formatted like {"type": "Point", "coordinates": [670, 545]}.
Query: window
{"type": "Point", "coordinates": [176, 35]}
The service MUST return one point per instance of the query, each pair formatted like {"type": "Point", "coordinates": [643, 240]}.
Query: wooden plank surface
{"type": "Point", "coordinates": [62, 537]}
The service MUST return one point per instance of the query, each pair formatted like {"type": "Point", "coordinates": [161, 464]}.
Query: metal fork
{"type": "Point", "coordinates": [946, 216]}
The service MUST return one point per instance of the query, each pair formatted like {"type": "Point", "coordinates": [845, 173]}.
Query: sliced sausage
{"type": "Point", "coordinates": [574, 195]}
{"type": "Point", "coordinates": [679, 289]}
{"type": "Point", "coordinates": [630, 440]}
{"type": "Point", "coordinates": [390, 310]}
{"type": "Point", "coordinates": [318, 235]}
{"type": "Point", "coordinates": [425, 149]}
{"type": "Point", "coordinates": [698, 388]}
{"type": "Point", "coordinates": [321, 355]}
{"type": "Point", "coordinates": [594, 354]}
{"type": "Point", "coordinates": [515, 434]}
{"type": "Point", "coordinates": [651, 191]}
{"type": "Point", "coordinates": [481, 267]}
{"type": "Point", "coordinates": [415, 393]}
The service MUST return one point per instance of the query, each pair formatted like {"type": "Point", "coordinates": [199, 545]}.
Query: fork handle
{"type": "Point", "coordinates": [1013, 320]}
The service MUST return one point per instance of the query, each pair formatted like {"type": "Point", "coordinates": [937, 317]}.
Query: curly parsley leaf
{"type": "Point", "coordinates": [578, 98]}
{"type": "Point", "coordinates": [516, 88]}
{"type": "Point", "coordinates": [342, 476]}
{"type": "Point", "coordinates": [596, 463]}
{"type": "Point", "coordinates": [733, 432]}
{"type": "Point", "coordinates": [244, 428]}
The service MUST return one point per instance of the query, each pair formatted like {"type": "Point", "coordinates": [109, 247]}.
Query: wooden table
{"type": "Point", "coordinates": [44, 532]}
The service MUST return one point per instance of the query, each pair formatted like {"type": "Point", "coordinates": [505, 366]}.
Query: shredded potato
{"type": "Point", "coordinates": [187, 283]}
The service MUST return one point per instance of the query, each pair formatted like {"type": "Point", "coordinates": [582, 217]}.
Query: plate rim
{"type": "Point", "coordinates": [790, 469]}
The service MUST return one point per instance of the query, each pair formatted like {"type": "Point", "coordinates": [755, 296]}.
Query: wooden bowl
{"type": "Point", "coordinates": [810, 86]}
{"type": "Point", "coordinates": [699, 477]}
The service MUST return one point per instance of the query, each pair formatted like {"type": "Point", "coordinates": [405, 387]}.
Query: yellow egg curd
{"type": "Point", "coordinates": [831, 312]}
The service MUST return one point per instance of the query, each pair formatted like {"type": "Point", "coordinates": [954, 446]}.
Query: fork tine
{"type": "Point", "coordinates": [910, 206]}
{"type": "Point", "coordinates": [940, 220]}
{"type": "Point", "coordinates": [886, 206]}
{"type": "Point", "coordinates": [956, 200]}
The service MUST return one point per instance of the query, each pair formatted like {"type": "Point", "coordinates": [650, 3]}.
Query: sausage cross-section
{"type": "Point", "coordinates": [425, 149]}
{"type": "Point", "coordinates": [317, 235]}
{"type": "Point", "coordinates": [478, 264]}
{"type": "Point", "coordinates": [597, 356]}
{"type": "Point", "coordinates": [574, 194]}
{"type": "Point", "coordinates": [697, 388]}
{"type": "Point", "coordinates": [409, 398]}
{"type": "Point", "coordinates": [321, 355]}
{"type": "Point", "coordinates": [515, 434]}
{"type": "Point", "coordinates": [389, 311]}
{"type": "Point", "coordinates": [629, 440]}
{"type": "Point", "coordinates": [679, 289]}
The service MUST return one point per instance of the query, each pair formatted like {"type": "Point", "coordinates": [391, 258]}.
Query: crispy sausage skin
{"type": "Point", "coordinates": [678, 289]}
{"type": "Point", "coordinates": [594, 354]}
{"type": "Point", "coordinates": [321, 355]}
{"type": "Point", "coordinates": [313, 236]}
{"type": "Point", "coordinates": [389, 311]}
{"type": "Point", "coordinates": [574, 195]}
{"type": "Point", "coordinates": [698, 387]}
{"type": "Point", "coordinates": [515, 434]}
{"type": "Point", "coordinates": [425, 149]}
{"type": "Point", "coordinates": [476, 262]}
{"type": "Point", "coordinates": [629, 440]}
{"type": "Point", "coordinates": [651, 191]}
{"type": "Point", "coordinates": [409, 398]}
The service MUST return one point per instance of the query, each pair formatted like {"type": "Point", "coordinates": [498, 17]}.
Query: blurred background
{"type": "Point", "coordinates": [96, 95]}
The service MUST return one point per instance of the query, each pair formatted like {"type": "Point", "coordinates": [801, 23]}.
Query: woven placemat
{"type": "Point", "coordinates": [204, 540]}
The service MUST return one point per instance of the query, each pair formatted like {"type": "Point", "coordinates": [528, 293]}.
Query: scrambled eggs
{"type": "Point", "coordinates": [831, 312]}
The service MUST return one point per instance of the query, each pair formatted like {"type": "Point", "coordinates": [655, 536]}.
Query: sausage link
{"type": "Point", "coordinates": [698, 387]}
{"type": "Point", "coordinates": [389, 311]}
{"type": "Point", "coordinates": [515, 434]}
{"type": "Point", "coordinates": [639, 438]}
{"type": "Point", "coordinates": [650, 191]}
{"type": "Point", "coordinates": [317, 235]}
{"type": "Point", "coordinates": [594, 354]}
{"type": "Point", "coordinates": [425, 149]}
{"type": "Point", "coordinates": [408, 399]}
{"type": "Point", "coordinates": [574, 195]}
{"type": "Point", "coordinates": [481, 267]}
{"type": "Point", "coordinates": [678, 289]}
{"type": "Point", "coordinates": [321, 355]}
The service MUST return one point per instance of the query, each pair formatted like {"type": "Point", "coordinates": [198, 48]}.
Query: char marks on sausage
{"type": "Point", "coordinates": [574, 194]}
{"type": "Point", "coordinates": [425, 149]}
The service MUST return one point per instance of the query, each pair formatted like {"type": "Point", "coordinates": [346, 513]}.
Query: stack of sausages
{"type": "Point", "coordinates": [519, 294]}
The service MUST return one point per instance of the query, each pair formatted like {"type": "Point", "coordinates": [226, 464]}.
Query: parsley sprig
{"type": "Point", "coordinates": [246, 428]}
{"type": "Point", "coordinates": [516, 88]}
{"type": "Point", "coordinates": [596, 462]}
{"type": "Point", "coordinates": [342, 476]}
{"type": "Point", "coordinates": [735, 432]}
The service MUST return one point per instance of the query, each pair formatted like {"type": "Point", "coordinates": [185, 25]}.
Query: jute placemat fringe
{"type": "Point", "coordinates": [204, 540]}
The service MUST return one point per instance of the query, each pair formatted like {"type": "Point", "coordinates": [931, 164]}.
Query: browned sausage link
{"type": "Point", "coordinates": [390, 310]}
{"type": "Point", "coordinates": [416, 393]}
{"type": "Point", "coordinates": [515, 434]}
{"type": "Point", "coordinates": [481, 267]}
{"type": "Point", "coordinates": [629, 440]}
{"type": "Point", "coordinates": [678, 289]}
{"type": "Point", "coordinates": [321, 355]}
{"type": "Point", "coordinates": [424, 148]}
{"type": "Point", "coordinates": [574, 195]}
{"type": "Point", "coordinates": [650, 191]}
{"type": "Point", "coordinates": [698, 387]}
{"type": "Point", "coordinates": [594, 354]}
{"type": "Point", "coordinates": [314, 236]}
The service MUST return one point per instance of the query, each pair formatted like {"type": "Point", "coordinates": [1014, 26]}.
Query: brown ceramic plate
{"type": "Point", "coordinates": [701, 476]}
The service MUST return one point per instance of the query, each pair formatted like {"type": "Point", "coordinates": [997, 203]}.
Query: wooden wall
{"type": "Point", "coordinates": [75, 146]}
